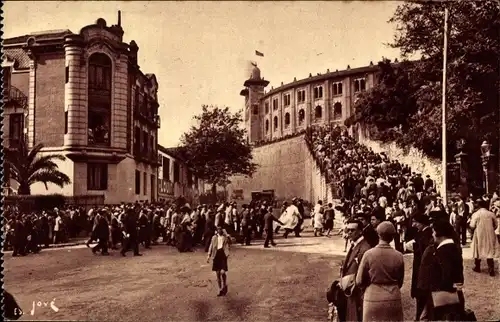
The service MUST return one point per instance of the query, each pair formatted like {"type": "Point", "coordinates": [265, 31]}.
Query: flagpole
{"type": "Point", "coordinates": [443, 108]}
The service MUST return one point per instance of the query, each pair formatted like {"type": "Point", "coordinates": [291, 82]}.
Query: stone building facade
{"type": "Point", "coordinates": [290, 108]}
{"type": "Point", "coordinates": [84, 96]}
{"type": "Point", "coordinates": [175, 179]}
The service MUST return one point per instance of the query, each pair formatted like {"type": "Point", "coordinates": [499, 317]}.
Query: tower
{"type": "Point", "coordinates": [253, 92]}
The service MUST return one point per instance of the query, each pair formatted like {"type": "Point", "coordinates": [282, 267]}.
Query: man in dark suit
{"type": "Point", "coordinates": [246, 226]}
{"type": "Point", "coordinates": [369, 233]}
{"type": "Point", "coordinates": [130, 229]}
{"type": "Point", "coordinates": [352, 311]}
{"type": "Point", "coordinates": [268, 227]}
{"type": "Point", "coordinates": [423, 238]}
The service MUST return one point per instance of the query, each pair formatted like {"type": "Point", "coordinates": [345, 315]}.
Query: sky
{"type": "Point", "coordinates": [200, 52]}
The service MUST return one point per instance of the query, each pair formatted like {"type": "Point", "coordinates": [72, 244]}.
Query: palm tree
{"type": "Point", "coordinates": [27, 167]}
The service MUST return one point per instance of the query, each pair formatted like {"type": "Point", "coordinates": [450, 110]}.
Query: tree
{"type": "Point", "coordinates": [28, 167]}
{"type": "Point", "coordinates": [473, 73]}
{"type": "Point", "coordinates": [473, 76]}
{"type": "Point", "coordinates": [215, 148]}
{"type": "Point", "coordinates": [388, 106]}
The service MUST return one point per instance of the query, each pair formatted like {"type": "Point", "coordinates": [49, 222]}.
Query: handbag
{"type": "Point", "coordinates": [444, 298]}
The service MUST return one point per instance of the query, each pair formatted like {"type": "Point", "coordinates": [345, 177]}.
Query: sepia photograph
{"type": "Point", "coordinates": [181, 161]}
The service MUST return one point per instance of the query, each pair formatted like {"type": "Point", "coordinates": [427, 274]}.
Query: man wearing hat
{"type": "Point", "coordinates": [369, 233]}
{"type": "Point", "coordinates": [351, 310]}
{"type": "Point", "coordinates": [423, 238]}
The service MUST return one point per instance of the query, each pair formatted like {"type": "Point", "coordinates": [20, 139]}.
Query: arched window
{"type": "Point", "coordinates": [275, 123]}
{"type": "Point", "coordinates": [287, 119]}
{"type": "Point", "coordinates": [318, 112]}
{"type": "Point", "coordinates": [267, 126]}
{"type": "Point", "coordinates": [302, 116]}
{"type": "Point", "coordinates": [99, 99]}
{"type": "Point", "coordinates": [255, 110]}
{"type": "Point", "coordinates": [337, 111]}
{"type": "Point", "coordinates": [356, 86]}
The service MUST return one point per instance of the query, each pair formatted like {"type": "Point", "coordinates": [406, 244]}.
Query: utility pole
{"type": "Point", "coordinates": [443, 121]}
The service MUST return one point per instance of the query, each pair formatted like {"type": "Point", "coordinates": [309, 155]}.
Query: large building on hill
{"type": "Point", "coordinates": [83, 95]}
{"type": "Point", "coordinates": [292, 107]}
{"type": "Point", "coordinates": [275, 119]}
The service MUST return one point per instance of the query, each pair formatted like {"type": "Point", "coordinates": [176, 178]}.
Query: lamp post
{"type": "Point", "coordinates": [443, 112]}
{"type": "Point", "coordinates": [485, 157]}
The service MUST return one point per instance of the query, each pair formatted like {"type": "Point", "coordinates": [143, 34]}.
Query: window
{"type": "Point", "coordinates": [337, 89]}
{"type": "Point", "coordinates": [99, 100]}
{"type": "Point", "coordinates": [97, 176]}
{"type": "Point", "coordinates": [318, 92]}
{"type": "Point", "coordinates": [145, 178]}
{"type": "Point", "coordinates": [144, 142]}
{"type": "Point", "coordinates": [275, 104]}
{"type": "Point", "coordinates": [266, 107]}
{"type": "Point", "coordinates": [287, 99]}
{"type": "Point", "coordinates": [166, 169]}
{"type": "Point", "coordinates": [275, 123]}
{"type": "Point", "coordinates": [318, 112]}
{"type": "Point", "coordinates": [267, 126]}
{"type": "Point", "coordinates": [137, 140]}
{"type": "Point", "coordinates": [337, 111]}
{"type": "Point", "coordinates": [137, 182]}
{"type": "Point", "coordinates": [67, 74]}
{"type": "Point", "coordinates": [6, 77]}
{"type": "Point", "coordinates": [137, 98]}
{"type": "Point", "coordinates": [151, 146]}
{"type": "Point", "coordinates": [66, 122]}
{"type": "Point", "coordinates": [16, 126]}
{"type": "Point", "coordinates": [153, 197]}
{"type": "Point", "coordinates": [301, 96]}
{"type": "Point", "coordinates": [302, 116]}
{"type": "Point", "coordinates": [100, 72]}
{"type": "Point", "coordinates": [359, 85]}
{"type": "Point", "coordinates": [255, 110]}
{"type": "Point", "coordinates": [287, 119]}
{"type": "Point", "coordinates": [176, 172]}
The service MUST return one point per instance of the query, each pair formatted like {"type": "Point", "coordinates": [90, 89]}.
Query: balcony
{"type": "Point", "coordinates": [13, 95]}
{"type": "Point", "coordinates": [148, 156]}
{"type": "Point", "coordinates": [153, 120]}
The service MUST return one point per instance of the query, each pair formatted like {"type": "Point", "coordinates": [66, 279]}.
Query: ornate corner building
{"type": "Point", "coordinates": [84, 96]}
{"type": "Point", "coordinates": [290, 108]}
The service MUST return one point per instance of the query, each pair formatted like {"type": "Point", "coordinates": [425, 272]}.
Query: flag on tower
{"type": "Point", "coordinates": [258, 53]}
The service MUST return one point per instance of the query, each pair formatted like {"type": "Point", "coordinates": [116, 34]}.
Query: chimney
{"type": "Point", "coordinates": [119, 18]}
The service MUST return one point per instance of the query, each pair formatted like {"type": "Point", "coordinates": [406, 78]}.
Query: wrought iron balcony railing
{"type": "Point", "coordinates": [12, 94]}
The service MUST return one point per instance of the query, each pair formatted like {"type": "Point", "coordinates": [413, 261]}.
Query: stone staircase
{"type": "Point", "coordinates": [320, 189]}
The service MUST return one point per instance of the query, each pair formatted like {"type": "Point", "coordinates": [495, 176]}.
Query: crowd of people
{"type": "Point", "coordinates": [132, 224]}
{"type": "Point", "coordinates": [383, 202]}
{"type": "Point", "coordinates": [30, 231]}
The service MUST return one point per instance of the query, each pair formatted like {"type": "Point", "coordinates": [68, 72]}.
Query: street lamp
{"type": "Point", "coordinates": [485, 157]}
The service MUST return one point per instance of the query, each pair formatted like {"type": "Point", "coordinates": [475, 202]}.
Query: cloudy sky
{"type": "Point", "coordinates": [200, 51]}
